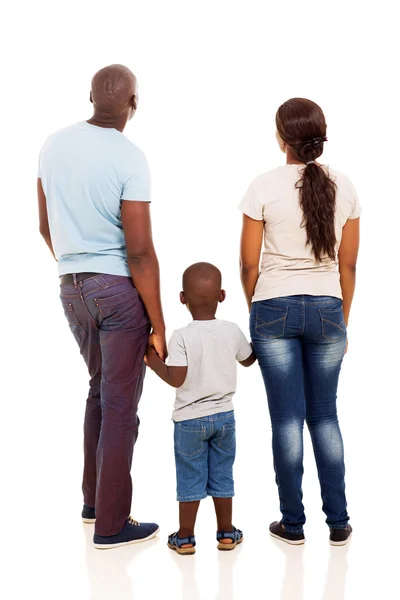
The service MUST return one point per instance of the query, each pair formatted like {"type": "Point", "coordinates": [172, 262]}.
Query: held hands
{"type": "Point", "coordinates": [157, 350]}
{"type": "Point", "coordinates": [151, 358]}
{"type": "Point", "coordinates": [158, 343]}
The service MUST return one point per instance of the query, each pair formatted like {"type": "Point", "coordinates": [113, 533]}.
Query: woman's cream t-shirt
{"type": "Point", "coordinates": [288, 265]}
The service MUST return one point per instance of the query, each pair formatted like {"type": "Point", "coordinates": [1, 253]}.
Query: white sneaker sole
{"type": "Point", "coordinates": [290, 542]}
{"type": "Point", "coordinates": [344, 543]}
{"type": "Point", "coordinates": [110, 546]}
{"type": "Point", "coordinates": [88, 521]}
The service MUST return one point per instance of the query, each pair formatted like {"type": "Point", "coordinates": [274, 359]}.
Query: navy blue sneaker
{"type": "Point", "coordinates": [88, 514]}
{"type": "Point", "coordinates": [132, 533]}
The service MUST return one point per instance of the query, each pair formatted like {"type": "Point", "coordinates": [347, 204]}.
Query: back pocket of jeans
{"type": "Point", "coordinates": [72, 319]}
{"type": "Point", "coordinates": [270, 320]}
{"type": "Point", "coordinates": [189, 440]}
{"type": "Point", "coordinates": [227, 441]}
{"type": "Point", "coordinates": [332, 322]}
{"type": "Point", "coordinates": [124, 310]}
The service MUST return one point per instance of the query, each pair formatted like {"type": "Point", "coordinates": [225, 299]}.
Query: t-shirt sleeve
{"type": "Point", "coordinates": [177, 356]}
{"type": "Point", "coordinates": [244, 349]}
{"type": "Point", "coordinates": [251, 204]}
{"type": "Point", "coordinates": [355, 203]}
{"type": "Point", "coordinates": [137, 187]}
{"type": "Point", "coordinates": [39, 169]}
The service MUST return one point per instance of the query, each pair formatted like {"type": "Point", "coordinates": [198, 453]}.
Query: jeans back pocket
{"type": "Point", "coordinates": [123, 310]}
{"type": "Point", "coordinates": [189, 439]}
{"type": "Point", "coordinates": [227, 441]}
{"type": "Point", "coordinates": [73, 322]}
{"type": "Point", "coordinates": [332, 323]}
{"type": "Point", "coordinates": [270, 320]}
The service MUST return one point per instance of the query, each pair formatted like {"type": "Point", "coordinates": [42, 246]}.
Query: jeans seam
{"type": "Point", "coordinates": [86, 308]}
{"type": "Point", "coordinates": [294, 531]}
{"type": "Point", "coordinates": [191, 498]}
{"type": "Point", "coordinates": [285, 299]}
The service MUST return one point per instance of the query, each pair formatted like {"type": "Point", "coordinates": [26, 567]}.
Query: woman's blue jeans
{"type": "Point", "coordinates": [300, 343]}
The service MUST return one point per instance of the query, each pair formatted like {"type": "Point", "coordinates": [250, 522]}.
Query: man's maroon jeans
{"type": "Point", "coordinates": [110, 324]}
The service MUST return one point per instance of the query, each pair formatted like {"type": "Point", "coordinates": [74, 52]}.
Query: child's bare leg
{"type": "Point", "coordinates": [187, 519]}
{"type": "Point", "coordinates": [223, 510]}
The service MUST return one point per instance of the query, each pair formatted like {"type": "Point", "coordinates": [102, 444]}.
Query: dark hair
{"type": "Point", "coordinates": [301, 125]}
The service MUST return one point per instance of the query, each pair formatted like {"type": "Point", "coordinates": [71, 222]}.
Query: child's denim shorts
{"type": "Point", "coordinates": [205, 451]}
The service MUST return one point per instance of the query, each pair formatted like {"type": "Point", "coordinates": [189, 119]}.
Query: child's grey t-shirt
{"type": "Point", "coordinates": [209, 349]}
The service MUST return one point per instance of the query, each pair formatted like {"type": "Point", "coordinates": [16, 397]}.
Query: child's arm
{"type": "Point", "coordinates": [245, 353]}
{"type": "Point", "coordinates": [250, 360]}
{"type": "Point", "coordinates": [174, 376]}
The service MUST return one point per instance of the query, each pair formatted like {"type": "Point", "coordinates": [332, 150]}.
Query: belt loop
{"type": "Point", "coordinates": [75, 280]}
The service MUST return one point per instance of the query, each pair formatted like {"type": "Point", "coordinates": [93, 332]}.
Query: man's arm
{"type": "Point", "coordinates": [143, 265]}
{"type": "Point", "coordinates": [174, 376]}
{"type": "Point", "coordinates": [250, 250]}
{"type": "Point", "coordinates": [348, 253]}
{"type": "Point", "coordinates": [43, 217]}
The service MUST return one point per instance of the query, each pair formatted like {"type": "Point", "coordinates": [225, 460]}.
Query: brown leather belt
{"type": "Point", "coordinates": [69, 279]}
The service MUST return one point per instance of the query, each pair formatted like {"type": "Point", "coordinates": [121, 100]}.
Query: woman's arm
{"type": "Point", "coordinates": [348, 252]}
{"type": "Point", "coordinates": [250, 250]}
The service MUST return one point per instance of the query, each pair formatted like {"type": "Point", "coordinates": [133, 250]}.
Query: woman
{"type": "Point", "coordinates": [300, 305]}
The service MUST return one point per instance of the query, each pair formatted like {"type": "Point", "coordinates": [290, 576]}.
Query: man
{"type": "Point", "coordinates": [94, 211]}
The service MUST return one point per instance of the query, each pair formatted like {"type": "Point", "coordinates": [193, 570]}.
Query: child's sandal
{"type": "Point", "coordinates": [236, 536]}
{"type": "Point", "coordinates": [176, 543]}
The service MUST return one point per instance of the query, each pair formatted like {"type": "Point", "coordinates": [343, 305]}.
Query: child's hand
{"type": "Point", "coordinates": [151, 358]}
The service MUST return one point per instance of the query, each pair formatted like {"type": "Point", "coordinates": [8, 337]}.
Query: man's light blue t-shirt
{"type": "Point", "coordinates": [86, 171]}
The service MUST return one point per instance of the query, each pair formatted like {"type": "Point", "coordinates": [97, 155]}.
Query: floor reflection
{"type": "Point", "coordinates": [187, 567]}
{"type": "Point", "coordinates": [189, 585]}
{"type": "Point", "coordinates": [108, 569]}
{"type": "Point", "coordinates": [226, 564]}
{"type": "Point", "coordinates": [109, 572]}
{"type": "Point", "coordinates": [293, 579]}
{"type": "Point", "coordinates": [335, 585]}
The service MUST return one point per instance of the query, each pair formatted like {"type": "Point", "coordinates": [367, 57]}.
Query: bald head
{"type": "Point", "coordinates": [114, 91]}
{"type": "Point", "coordinates": [202, 286]}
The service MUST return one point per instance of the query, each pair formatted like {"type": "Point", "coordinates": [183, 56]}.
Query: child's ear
{"type": "Point", "coordinates": [222, 296]}
{"type": "Point", "coordinates": [182, 298]}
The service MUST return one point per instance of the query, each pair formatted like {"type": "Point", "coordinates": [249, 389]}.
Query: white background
{"type": "Point", "coordinates": [211, 76]}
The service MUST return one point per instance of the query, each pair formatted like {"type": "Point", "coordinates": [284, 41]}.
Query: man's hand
{"type": "Point", "coordinates": [159, 344]}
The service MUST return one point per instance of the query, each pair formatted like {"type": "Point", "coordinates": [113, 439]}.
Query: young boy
{"type": "Point", "coordinates": [202, 366]}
